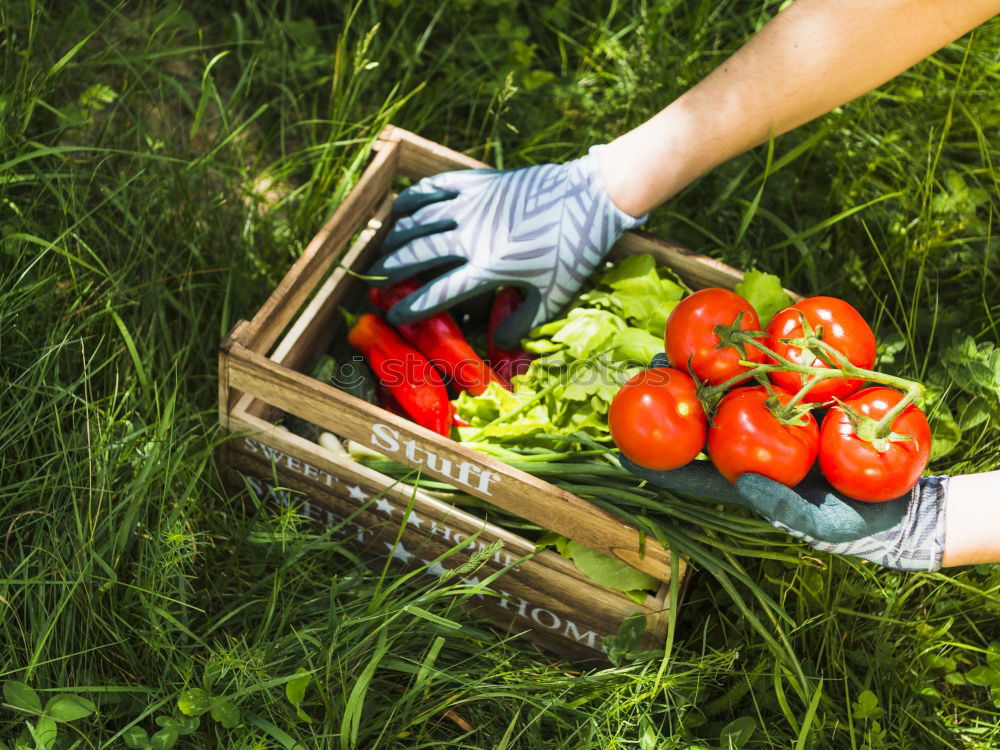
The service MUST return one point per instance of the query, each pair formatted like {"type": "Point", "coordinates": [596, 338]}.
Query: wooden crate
{"type": "Point", "coordinates": [542, 594]}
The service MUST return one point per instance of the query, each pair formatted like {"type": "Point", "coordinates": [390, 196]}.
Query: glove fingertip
{"type": "Point", "coordinates": [757, 483]}
{"type": "Point", "coordinates": [412, 200]}
{"type": "Point", "coordinates": [627, 463]}
{"type": "Point", "coordinates": [402, 312]}
{"type": "Point", "coordinates": [378, 275]}
{"type": "Point", "coordinates": [659, 360]}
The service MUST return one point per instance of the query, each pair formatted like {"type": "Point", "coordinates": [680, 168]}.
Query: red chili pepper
{"type": "Point", "coordinates": [439, 338]}
{"type": "Point", "coordinates": [403, 372]}
{"type": "Point", "coordinates": [506, 362]}
{"type": "Point", "coordinates": [388, 402]}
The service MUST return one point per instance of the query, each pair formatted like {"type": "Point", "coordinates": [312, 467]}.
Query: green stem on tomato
{"type": "Point", "coordinates": [845, 369]}
{"type": "Point", "coordinates": [787, 410]}
{"type": "Point", "coordinates": [883, 428]}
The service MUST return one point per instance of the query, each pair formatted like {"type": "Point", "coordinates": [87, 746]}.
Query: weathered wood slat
{"type": "Point", "coordinates": [420, 157]}
{"type": "Point", "coordinates": [349, 471]}
{"type": "Point", "coordinates": [313, 329]}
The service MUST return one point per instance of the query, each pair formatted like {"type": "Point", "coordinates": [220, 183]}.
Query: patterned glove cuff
{"type": "Point", "coordinates": [591, 165]}
{"type": "Point", "coordinates": [914, 544]}
{"type": "Point", "coordinates": [920, 537]}
{"type": "Point", "coordinates": [934, 491]}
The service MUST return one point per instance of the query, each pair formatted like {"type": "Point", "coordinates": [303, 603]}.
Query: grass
{"type": "Point", "coordinates": [160, 167]}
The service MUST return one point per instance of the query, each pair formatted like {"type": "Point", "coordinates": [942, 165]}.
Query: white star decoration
{"type": "Point", "coordinates": [414, 520]}
{"type": "Point", "coordinates": [358, 494]}
{"type": "Point", "coordinates": [399, 552]}
{"type": "Point", "coordinates": [384, 506]}
{"type": "Point", "coordinates": [436, 569]}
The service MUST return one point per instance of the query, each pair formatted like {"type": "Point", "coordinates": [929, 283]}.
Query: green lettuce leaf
{"type": "Point", "coordinates": [588, 331]}
{"type": "Point", "coordinates": [764, 292]}
{"type": "Point", "coordinates": [489, 413]}
{"type": "Point", "coordinates": [607, 571]}
{"type": "Point", "coordinates": [637, 345]}
{"type": "Point", "coordinates": [639, 293]}
{"type": "Point", "coordinates": [611, 331]}
{"type": "Point", "coordinates": [601, 569]}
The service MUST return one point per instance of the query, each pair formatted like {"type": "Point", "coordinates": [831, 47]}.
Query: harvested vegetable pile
{"type": "Point", "coordinates": [545, 409]}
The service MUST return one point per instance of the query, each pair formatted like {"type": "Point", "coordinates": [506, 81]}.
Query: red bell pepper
{"type": "Point", "coordinates": [506, 362]}
{"type": "Point", "coordinates": [404, 372]}
{"type": "Point", "coordinates": [439, 338]}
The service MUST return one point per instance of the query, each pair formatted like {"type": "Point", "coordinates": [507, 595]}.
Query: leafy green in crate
{"type": "Point", "coordinates": [601, 569]}
{"type": "Point", "coordinates": [764, 292]}
{"type": "Point", "coordinates": [612, 331]}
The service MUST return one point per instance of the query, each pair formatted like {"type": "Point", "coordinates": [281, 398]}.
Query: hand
{"type": "Point", "coordinates": [543, 229]}
{"type": "Point", "coordinates": [698, 479]}
{"type": "Point", "coordinates": [904, 534]}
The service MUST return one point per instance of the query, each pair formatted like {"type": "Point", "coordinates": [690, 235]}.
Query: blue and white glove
{"type": "Point", "coordinates": [543, 229]}
{"type": "Point", "coordinates": [903, 534]}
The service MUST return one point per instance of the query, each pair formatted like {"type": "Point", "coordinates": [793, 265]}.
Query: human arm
{"type": "Point", "coordinates": [941, 522]}
{"type": "Point", "coordinates": [810, 58]}
{"type": "Point", "coordinates": [944, 522]}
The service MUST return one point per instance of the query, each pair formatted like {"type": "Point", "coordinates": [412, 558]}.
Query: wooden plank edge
{"type": "Point", "coordinates": [421, 157]}
{"type": "Point", "coordinates": [430, 533]}
{"type": "Point", "coordinates": [508, 611]}
{"type": "Point", "coordinates": [353, 472]}
{"type": "Point", "coordinates": [227, 396]}
{"type": "Point", "coordinates": [538, 592]}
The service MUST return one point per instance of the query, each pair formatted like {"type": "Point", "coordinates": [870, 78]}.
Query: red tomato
{"type": "Point", "coordinates": [843, 328]}
{"type": "Point", "coordinates": [855, 467]}
{"type": "Point", "coordinates": [690, 334]}
{"type": "Point", "coordinates": [746, 437]}
{"type": "Point", "coordinates": [656, 419]}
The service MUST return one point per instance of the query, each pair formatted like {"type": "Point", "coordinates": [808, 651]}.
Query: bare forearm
{"type": "Point", "coordinates": [809, 59]}
{"type": "Point", "coordinates": [972, 520]}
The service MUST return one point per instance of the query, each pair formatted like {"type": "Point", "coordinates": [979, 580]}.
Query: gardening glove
{"type": "Point", "coordinates": [904, 534]}
{"type": "Point", "coordinates": [698, 479]}
{"type": "Point", "coordinates": [543, 229]}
